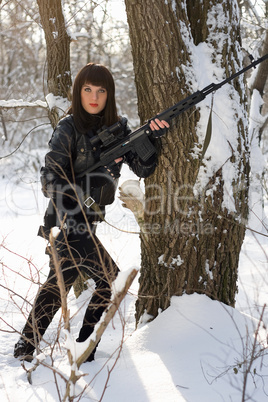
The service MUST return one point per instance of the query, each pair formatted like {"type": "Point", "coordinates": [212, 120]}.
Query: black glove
{"type": "Point", "coordinates": [112, 170]}
{"type": "Point", "coordinates": [159, 133]}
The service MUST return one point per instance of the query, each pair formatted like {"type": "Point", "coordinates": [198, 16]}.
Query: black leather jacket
{"type": "Point", "coordinates": [70, 154]}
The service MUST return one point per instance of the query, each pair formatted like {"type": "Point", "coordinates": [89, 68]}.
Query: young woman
{"type": "Point", "coordinates": [78, 249]}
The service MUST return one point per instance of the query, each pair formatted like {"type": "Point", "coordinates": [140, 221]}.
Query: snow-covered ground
{"type": "Point", "coordinates": [197, 350]}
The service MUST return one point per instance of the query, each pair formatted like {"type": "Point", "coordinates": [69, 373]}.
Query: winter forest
{"type": "Point", "coordinates": [188, 317]}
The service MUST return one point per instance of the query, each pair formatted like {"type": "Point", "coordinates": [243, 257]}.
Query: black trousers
{"type": "Point", "coordinates": [77, 251]}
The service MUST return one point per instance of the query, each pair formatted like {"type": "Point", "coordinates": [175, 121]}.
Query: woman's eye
{"type": "Point", "coordinates": [102, 90]}
{"type": "Point", "coordinates": [87, 89]}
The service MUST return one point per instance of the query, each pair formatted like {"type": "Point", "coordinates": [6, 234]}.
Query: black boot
{"type": "Point", "coordinates": [24, 350]}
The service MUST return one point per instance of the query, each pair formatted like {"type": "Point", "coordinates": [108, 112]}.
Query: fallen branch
{"type": "Point", "coordinates": [106, 318]}
{"type": "Point", "coordinates": [108, 315]}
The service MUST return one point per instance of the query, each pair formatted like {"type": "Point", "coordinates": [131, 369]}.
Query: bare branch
{"type": "Point", "coordinates": [107, 317]}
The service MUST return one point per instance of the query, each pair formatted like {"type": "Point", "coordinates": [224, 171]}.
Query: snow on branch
{"type": "Point", "coordinates": [79, 352]}
{"type": "Point", "coordinates": [50, 103]}
{"type": "Point", "coordinates": [20, 103]}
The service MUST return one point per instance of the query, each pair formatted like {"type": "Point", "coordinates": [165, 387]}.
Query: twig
{"type": "Point", "coordinates": [109, 372]}
{"type": "Point", "coordinates": [252, 356]}
{"type": "Point", "coordinates": [64, 307]}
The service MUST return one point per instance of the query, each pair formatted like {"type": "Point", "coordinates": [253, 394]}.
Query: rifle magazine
{"type": "Point", "coordinates": [144, 148]}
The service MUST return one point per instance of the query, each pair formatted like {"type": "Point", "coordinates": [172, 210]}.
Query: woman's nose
{"type": "Point", "coordinates": [95, 95]}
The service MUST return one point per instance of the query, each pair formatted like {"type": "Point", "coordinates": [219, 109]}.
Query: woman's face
{"type": "Point", "coordinates": [93, 98]}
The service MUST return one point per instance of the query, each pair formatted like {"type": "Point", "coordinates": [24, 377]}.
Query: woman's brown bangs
{"type": "Point", "coordinates": [98, 76]}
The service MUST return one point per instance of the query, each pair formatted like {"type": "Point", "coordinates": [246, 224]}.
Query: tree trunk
{"type": "Point", "coordinates": [191, 239]}
{"type": "Point", "coordinates": [58, 51]}
{"type": "Point", "coordinates": [261, 83]}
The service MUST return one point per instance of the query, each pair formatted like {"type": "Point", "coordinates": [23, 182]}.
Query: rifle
{"type": "Point", "coordinates": [138, 140]}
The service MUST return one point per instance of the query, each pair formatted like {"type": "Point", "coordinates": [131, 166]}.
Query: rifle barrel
{"type": "Point", "coordinates": [213, 87]}
{"type": "Point", "coordinates": [198, 96]}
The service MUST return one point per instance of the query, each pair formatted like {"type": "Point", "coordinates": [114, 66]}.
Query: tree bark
{"type": "Point", "coordinates": [58, 51]}
{"type": "Point", "coordinates": [192, 242]}
{"type": "Point", "coordinates": [262, 75]}
{"type": "Point", "coordinates": [261, 84]}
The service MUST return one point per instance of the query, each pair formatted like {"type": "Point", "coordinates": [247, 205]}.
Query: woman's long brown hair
{"type": "Point", "coordinates": [98, 75]}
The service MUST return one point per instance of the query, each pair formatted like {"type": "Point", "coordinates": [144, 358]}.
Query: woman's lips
{"type": "Point", "coordinates": [93, 104]}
